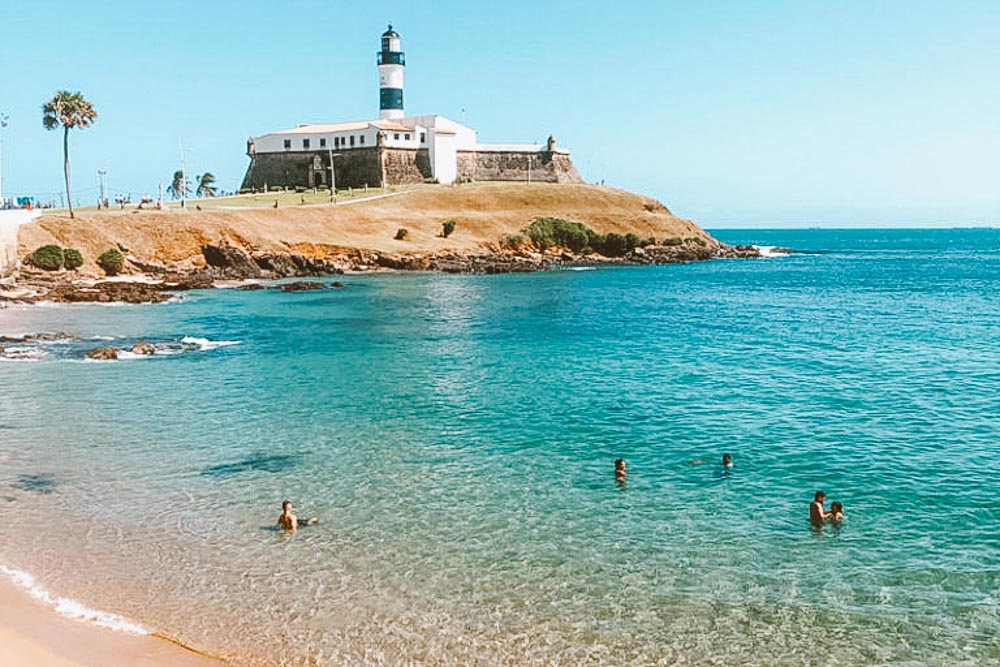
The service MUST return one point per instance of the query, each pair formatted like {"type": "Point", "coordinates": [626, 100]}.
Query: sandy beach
{"type": "Point", "coordinates": [33, 635]}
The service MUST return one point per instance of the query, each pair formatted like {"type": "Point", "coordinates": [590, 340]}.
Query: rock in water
{"type": "Point", "coordinates": [142, 347]}
{"type": "Point", "coordinates": [103, 353]}
{"type": "Point", "coordinates": [302, 286]}
{"type": "Point", "coordinates": [230, 262]}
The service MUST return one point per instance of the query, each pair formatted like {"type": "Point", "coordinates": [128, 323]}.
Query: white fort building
{"type": "Point", "coordinates": [396, 149]}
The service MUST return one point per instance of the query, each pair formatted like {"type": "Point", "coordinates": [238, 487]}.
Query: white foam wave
{"type": "Point", "coordinates": [22, 354]}
{"type": "Point", "coordinates": [72, 608]}
{"type": "Point", "coordinates": [771, 251]}
{"type": "Point", "coordinates": [125, 355]}
{"type": "Point", "coordinates": [206, 344]}
{"type": "Point", "coordinates": [101, 338]}
{"type": "Point", "coordinates": [581, 268]}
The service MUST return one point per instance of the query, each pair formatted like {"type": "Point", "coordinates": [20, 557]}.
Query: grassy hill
{"type": "Point", "coordinates": [483, 213]}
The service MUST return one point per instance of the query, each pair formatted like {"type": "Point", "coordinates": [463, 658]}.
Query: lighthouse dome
{"type": "Point", "coordinates": [390, 32]}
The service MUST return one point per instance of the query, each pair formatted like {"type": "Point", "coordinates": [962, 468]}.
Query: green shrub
{"type": "Point", "coordinates": [401, 234]}
{"type": "Point", "coordinates": [299, 189]}
{"type": "Point", "coordinates": [547, 232]}
{"type": "Point", "coordinates": [615, 245]}
{"type": "Point", "coordinates": [697, 240]}
{"type": "Point", "coordinates": [112, 261]}
{"type": "Point", "coordinates": [276, 188]}
{"type": "Point", "coordinates": [647, 242]}
{"type": "Point", "coordinates": [72, 259]}
{"type": "Point", "coordinates": [48, 257]}
{"type": "Point", "coordinates": [447, 228]}
{"type": "Point", "coordinates": [513, 241]}
{"type": "Point", "coordinates": [245, 191]}
{"type": "Point", "coordinates": [672, 240]}
{"type": "Point", "coordinates": [632, 242]}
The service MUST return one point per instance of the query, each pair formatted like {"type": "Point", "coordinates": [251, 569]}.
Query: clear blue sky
{"type": "Point", "coordinates": [732, 113]}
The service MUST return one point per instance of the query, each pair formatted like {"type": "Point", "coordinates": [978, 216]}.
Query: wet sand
{"type": "Point", "coordinates": [31, 634]}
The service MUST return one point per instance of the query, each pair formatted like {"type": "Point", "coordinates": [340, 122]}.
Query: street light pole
{"type": "Point", "coordinates": [3, 123]}
{"type": "Point", "coordinates": [333, 179]}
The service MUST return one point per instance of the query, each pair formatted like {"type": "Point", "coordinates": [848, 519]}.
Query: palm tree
{"type": "Point", "coordinates": [179, 187]}
{"type": "Point", "coordinates": [68, 110]}
{"type": "Point", "coordinates": [205, 184]}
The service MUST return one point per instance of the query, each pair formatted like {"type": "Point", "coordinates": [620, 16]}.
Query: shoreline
{"type": "Point", "coordinates": [37, 634]}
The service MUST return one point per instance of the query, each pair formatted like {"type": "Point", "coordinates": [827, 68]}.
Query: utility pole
{"type": "Point", "coordinates": [103, 174]}
{"type": "Point", "coordinates": [333, 179]}
{"type": "Point", "coordinates": [183, 177]}
{"type": "Point", "coordinates": [3, 123]}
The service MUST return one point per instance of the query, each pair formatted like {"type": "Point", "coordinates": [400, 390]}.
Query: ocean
{"type": "Point", "coordinates": [456, 436]}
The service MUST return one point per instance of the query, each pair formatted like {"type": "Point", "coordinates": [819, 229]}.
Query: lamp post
{"type": "Point", "coordinates": [333, 178]}
{"type": "Point", "coordinates": [3, 123]}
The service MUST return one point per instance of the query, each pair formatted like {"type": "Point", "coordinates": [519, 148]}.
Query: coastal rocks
{"type": "Point", "coordinates": [290, 265]}
{"type": "Point", "coordinates": [402, 262]}
{"type": "Point", "coordinates": [107, 292]}
{"type": "Point", "coordinates": [738, 252]}
{"type": "Point", "coordinates": [104, 354]}
{"type": "Point", "coordinates": [301, 286]}
{"type": "Point", "coordinates": [144, 348]}
{"type": "Point", "coordinates": [179, 282]}
{"type": "Point", "coordinates": [250, 287]}
{"type": "Point", "coordinates": [229, 262]}
{"type": "Point", "coordinates": [488, 263]}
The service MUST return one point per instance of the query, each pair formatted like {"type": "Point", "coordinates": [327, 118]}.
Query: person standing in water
{"type": "Point", "coordinates": [620, 471]}
{"type": "Point", "coordinates": [288, 521]}
{"type": "Point", "coordinates": [817, 515]}
{"type": "Point", "coordinates": [727, 461]}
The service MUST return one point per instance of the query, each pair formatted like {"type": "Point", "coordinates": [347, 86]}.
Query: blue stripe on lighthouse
{"type": "Point", "coordinates": [390, 98]}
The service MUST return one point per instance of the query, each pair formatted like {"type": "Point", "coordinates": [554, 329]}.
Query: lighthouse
{"type": "Point", "coordinates": [390, 76]}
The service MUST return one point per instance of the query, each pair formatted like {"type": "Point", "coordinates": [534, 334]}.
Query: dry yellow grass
{"type": "Point", "coordinates": [483, 213]}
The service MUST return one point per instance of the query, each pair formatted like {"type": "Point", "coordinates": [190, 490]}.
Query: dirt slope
{"type": "Point", "coordinates": [483, 212]}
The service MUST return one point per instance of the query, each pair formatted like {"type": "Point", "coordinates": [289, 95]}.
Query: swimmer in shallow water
{"type": "Point", "coordinates": [727, 461]}
{"type": "Point", "coordinates": [620, 470]}
{"type": "Point", "coordinates": [288, 521]}
{"type": "Point", "coordinates": [836, 511]}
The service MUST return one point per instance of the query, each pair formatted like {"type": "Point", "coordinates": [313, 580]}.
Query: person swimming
{"type": "Point", "coordinates": [836, 511]}
{"type": "Point", "coordinates": [288, 521]}
{"type": "Point", "coordinates": [727, 461]}
{"type": "Point", "coordinates": [817, 515]}
{"type": "Point", "coordinates": [620, 470]}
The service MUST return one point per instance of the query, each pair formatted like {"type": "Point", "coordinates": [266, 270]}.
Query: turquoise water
{"type": "Point", "coordinates": [456, 436]}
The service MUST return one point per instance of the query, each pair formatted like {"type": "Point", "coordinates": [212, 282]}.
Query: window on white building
{"type": "Point", "coordinates": [288, 144]}
{"type": "Point", "coordinates": [352, 140]}
{"type": "Point", "coordinates": [322, 143]}
{"type": "Point", "coordinates": [423, 137]}
{"type": "Point", "coordinates": [406, 136]}
{"type": "Point", "coordinates": [362, 140]}
{"type": "Point", "coordinates": [305, 143]}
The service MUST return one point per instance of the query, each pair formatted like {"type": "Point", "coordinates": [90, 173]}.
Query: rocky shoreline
{"type": "Point", "coordinates": [155, 283]}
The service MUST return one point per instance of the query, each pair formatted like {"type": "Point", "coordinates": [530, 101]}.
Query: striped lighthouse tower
{"type": "Point", "coordinates": [390, 76]}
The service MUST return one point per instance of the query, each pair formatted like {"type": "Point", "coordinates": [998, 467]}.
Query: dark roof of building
{"type": "Point", "coordinates": [390, 32]}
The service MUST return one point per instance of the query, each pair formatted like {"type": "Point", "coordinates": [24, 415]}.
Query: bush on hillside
{"type": "Point", "coordinates": [548, 232]}
{"type": "Point", "coordinates": [401, 234]}
{"type": "Point", "coordinates": [447, 228]}
{"type": "Point", "coordinates": [672, 241]}
{"type": "Point", "coordinates": [72, 259]}
{"type": "Point", "coordinates": [697, 240]}
{"type": "Point", "coordinates": [112, 261]}
{"type": "Point", "coordinates": [615, 245]}
{"type": "Point", "coordinates": [47, 257]}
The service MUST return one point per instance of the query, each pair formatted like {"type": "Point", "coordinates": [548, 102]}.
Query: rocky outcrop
{"type": "Point", "coordinates": [104, 353]}
{"type": "Point", "coordinates": [144, 348]}
{"type": "Point", "coordinates": [107, 292]}
{"type": "Point", "coordinates": [290, 265]}
{"type": "Point", "coordinates": [229, 262]}
{"type": "Point", "coordinates": [301, 286]}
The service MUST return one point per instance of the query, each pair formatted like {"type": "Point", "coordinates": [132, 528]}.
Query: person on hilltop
{"type": "Point", "coordinates": [288, 521]}
{"type": "Point", "coordinates": [817, 515]}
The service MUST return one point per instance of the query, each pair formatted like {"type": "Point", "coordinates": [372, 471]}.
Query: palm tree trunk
{"type": "Point", "coordinates": [69, 199]}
